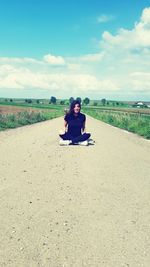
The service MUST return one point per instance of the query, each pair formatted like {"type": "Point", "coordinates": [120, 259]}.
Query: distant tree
{"type": "Point", "coordinates": [117, 103]}
{"type": "Point", "coordinates": [108, 103]}
{"type": "Point", "coordinates": [29, 101]}
{"type": "Point", "coordinates": [11, 100]}
{"type": "Point", "coordinates": [6, 100]}
{"type": "Point", "coordinates": [144, 106]}
{"type": "Point", "coordinates": [95, 103]}
{"type": "Point", "coordinates": [103, 101]}
{"type": "Point", "coordinates": [86, 101]}
{"type": "Point", "coordinates": [79, 99]}
{"type": "Point", "coordinates": [52, 100]}
{"type": "Point", "coordinates": [71, 99]}
{"type": "Point", "coordinates": [38, 101]}
{"type": "Point", "coordinates": [62, 102]}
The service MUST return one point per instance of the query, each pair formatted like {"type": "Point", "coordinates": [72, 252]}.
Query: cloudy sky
{"type": "Point", "coordinates": [94, 48]}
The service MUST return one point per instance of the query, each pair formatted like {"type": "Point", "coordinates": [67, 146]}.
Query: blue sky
{"type": "Point", "coordinates": [50, 41]}
{"type": "Point", "coordinates": [66, 27]}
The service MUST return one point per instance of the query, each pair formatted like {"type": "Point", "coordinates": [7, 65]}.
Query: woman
{"type": "Point", "coordinates": [74, 123]}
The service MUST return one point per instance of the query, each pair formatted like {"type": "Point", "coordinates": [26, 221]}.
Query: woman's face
{"type": "Point", "coordinates": [76, 108]}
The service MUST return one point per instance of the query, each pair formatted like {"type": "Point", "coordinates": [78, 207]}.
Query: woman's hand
{"type": "Point", "coordinates": [61, 132]}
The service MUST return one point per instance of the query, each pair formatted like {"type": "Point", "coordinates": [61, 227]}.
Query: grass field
{"type": "Point", "coordinates": [12, 116]}
{"type": "Point", "coordinates": [135, 122]}
{"type": "Point", "coordinates": [145, 111]}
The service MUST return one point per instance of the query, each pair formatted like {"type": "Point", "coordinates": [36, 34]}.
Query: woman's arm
{"type": "Point", "coordinates": [83, 128]}
{"type": "Point", "coordinates": [65, 126]}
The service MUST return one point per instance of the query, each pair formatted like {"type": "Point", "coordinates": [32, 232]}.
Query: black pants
{"type": "Point", "coordinates": [80, 138]}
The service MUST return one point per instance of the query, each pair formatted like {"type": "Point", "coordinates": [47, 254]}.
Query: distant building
{"type": "Point", "coordinates": [140, 104]}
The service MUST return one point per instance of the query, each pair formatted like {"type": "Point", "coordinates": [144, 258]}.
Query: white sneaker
{"type": "Point", "coordinates": [65, 142]}
{"type": "Point", "coordinates": [91, 141]}
{"type": "Point", "coordinates": [84, 143]}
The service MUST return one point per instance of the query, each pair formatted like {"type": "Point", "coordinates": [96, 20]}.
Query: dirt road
{"type": "Point", "coordinates": [74, 206]}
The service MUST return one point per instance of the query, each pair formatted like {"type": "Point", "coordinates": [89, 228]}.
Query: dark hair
{"type": "Point", "coordinates": [72, 106]}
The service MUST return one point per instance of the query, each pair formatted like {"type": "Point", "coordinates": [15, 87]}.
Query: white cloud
{"type": "Point", "coordinates": [140, 81]}
{"type": "Point", "coordinates": [104, 18]}
{"type": "Point", "coordinates": [126, 57]}
{"type": "Point", "coordinates": [120, 68]}
{"type": "Point", "coordinates": [20, 78]}
{"type": "Point", "coordinates": [5, 69]}
{"type": "Point", "coordinates": [92, 57]}
{"type": "Point", "coordinates": [138, 37]}
{"type": "Point", "coordinates": [74, 67]}
{"type": "Point", "coordinates": [54, 60]}
{"type": "Point", "coordinates": [20, 60]}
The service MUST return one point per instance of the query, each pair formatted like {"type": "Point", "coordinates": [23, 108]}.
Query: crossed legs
{"type": "Point", "coordinates": [80, 138]}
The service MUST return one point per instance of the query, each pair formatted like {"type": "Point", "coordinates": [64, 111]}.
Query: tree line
{"type": "Point", "coordinates": [85, 101]}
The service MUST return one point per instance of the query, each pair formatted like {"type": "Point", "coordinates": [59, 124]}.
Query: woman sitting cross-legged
{"type": "Point", "coordinates": [74, 122]}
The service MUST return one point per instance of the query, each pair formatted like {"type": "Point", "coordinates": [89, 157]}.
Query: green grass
{"type": "Point", "coordinates": [25, 117]}
{"type": "Point", "coordinates": [136, 123]}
